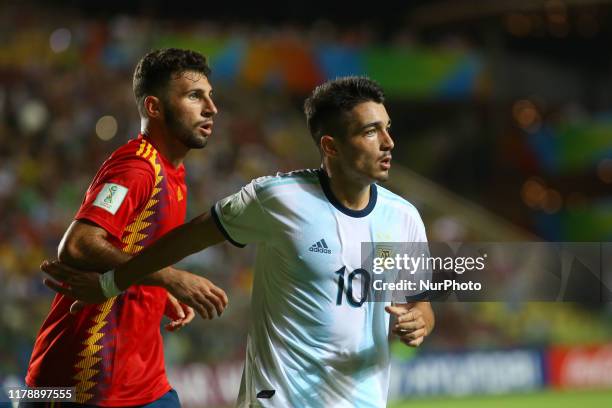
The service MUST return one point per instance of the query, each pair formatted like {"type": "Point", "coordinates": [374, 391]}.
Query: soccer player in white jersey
{"type": "Point", "coordinates": [314, 340]}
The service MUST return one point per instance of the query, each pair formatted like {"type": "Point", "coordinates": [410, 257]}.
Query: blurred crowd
{"type": "Point", "coordinates": [66, 102]}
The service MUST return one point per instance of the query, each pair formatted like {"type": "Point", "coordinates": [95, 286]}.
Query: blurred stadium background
{"type": "Point", "coordinates": [502, 118]}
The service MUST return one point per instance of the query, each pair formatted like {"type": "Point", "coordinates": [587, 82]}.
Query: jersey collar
{"type": "Point", "coordinates": [324, 180]}
{"type": "Point", "coordinates": [180, 169]}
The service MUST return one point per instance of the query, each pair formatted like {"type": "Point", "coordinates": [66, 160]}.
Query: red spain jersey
{"type": "Point", "coordinates": [113, 353]}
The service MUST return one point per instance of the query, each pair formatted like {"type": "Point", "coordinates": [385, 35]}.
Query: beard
{"type": "Point", "coordinates": [187, 135]}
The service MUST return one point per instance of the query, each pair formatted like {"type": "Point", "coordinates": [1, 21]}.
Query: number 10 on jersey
{"type": "Point", "coordinates": [365, 285]}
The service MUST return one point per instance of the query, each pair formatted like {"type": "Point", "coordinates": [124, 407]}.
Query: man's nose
{"type": "Point", "coordinates": [387, 141]}
{"type": "Point", "coordinates": [209, 108]}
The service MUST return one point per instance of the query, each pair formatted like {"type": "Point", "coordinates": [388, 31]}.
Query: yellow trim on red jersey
{"type": "Point", "coordinates": [143, 144]}
{"type": "Point", "coordinates": [135, 236]}
{"type": "Point", "coordinates": [131, 240]}
{"type": "Point", "coordinates": [89, 360]}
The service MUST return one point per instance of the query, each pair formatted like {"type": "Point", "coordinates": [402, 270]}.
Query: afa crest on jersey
{"type": "Point", "coordinates": [384, 252]}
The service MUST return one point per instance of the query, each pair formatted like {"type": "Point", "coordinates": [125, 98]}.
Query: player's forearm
{"type": "Point", "coordinates": [182, 241]}
{"type": "Point", "coordinates": [86, 247]}
{"type": "Point", "coordinates": [165, 278]}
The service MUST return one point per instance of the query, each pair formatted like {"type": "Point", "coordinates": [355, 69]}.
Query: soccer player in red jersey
{"type": "Point", "coordinates": [112, 353]}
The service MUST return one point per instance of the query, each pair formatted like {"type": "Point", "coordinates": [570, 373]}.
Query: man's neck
{"type": "Point", "coordinates": [352, 194]}
{"type": "Point", "coordinates": [168, 146]}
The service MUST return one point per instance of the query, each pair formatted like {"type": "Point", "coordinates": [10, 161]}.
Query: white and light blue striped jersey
{"type": "Point", "coordinates": [314, 342]}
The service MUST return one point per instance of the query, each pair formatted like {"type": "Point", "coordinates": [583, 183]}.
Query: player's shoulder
{"type": "Point", "coordinates": [137, 153]}
{"type": "Point", "coordinates": [286, 180]}
{"type": "Point", "coordinates": [390, 199]}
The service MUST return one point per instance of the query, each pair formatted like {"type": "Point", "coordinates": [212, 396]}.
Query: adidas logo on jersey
{"type": "Point", "coordinates": [320, 246]}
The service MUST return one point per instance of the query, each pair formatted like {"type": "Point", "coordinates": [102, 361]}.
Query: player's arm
{"type": "Point", "coordinates": [187, 239]}
{"type": "Point", "coordinates": [182, 241]}
{"type": "Point", "coordinates": [240, 218]}
{"type": "Point", "coordinates": [414, 322]}
{"type": "Point", "coordinates": [86, 245]}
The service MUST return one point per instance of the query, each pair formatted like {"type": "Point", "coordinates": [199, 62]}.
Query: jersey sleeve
{"type": "Point", "coordinates": [417, 248]}
{"type": "Point", "coordinates": [241, 217]}
{"type": "Point", "coordinates": [418, 230]}
{"type": "Point", "coordinates": [120, 190]}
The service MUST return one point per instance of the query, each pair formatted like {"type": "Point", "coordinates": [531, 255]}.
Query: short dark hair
{"type": "Point", "coordinates": [326, 107]}
{"type": "Point", "coordinates": [154, 71]}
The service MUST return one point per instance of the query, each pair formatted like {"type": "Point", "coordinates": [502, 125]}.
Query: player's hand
{"type": "Point", "coordinates": [198, 292]}
{"type": "Point", "coordinates": [180, 314]}
{"type": "Point", "coordinates": [410, 325]}
{"type": "Point", "coordinates": [78, 284]}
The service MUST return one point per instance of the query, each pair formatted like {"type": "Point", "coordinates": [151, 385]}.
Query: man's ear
{"type": "Point", "coordinates": [328, 146]}
{"type": "Point", "coordinates": [152, 106]}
